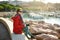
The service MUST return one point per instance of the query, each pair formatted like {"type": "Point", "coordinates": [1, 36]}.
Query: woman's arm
{"type": "Point", "coordinates": [11, 18]}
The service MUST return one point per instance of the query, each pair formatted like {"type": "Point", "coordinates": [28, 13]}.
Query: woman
{"type": "Point", "coordinates": [18, 24]}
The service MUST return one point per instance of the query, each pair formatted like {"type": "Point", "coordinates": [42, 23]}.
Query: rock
{"type": "Point", "coordinates": [42, 22]}
{"type": "Point", "coordinates": [50, 39]}
{"type": "Point", "coordinates": [32, 39]}
{"type": "Point", "coordinates": [32, 30]}
{"type": "Point", "coordinates": [42, 29]}
{"type": "Point", "coordinates": [46, 37]}
{"type": "Point", "coordinates": [57, 25]}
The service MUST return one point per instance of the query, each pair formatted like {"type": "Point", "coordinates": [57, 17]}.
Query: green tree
{"type": "Point", "coordinates": [1, 8]}
{"type": "Point", "coordinates": [5, 6]}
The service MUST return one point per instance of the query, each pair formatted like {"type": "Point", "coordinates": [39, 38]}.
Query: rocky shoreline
{"type": "Point", "coordinates": [44, 31]}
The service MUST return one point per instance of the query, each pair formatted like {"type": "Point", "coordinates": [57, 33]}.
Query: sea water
{"type": "Point", "coordinates": [51, 20]}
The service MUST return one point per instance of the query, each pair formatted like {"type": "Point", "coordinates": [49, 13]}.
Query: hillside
{"type": "Point", "coordinates": [40, 6]}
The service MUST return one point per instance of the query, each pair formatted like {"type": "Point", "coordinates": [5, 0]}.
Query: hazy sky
{"type": "Point", "coordinates": [45, 1]}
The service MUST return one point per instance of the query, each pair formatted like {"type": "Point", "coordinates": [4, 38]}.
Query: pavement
{"type": "Point", "coordinates": [19, 37]}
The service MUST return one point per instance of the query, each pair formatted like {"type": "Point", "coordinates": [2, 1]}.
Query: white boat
{"type": "Point", "coordinates": [35, 15]}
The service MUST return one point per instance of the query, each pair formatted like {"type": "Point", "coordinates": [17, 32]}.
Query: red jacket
{"type": "Point", "coordinates": [17, 24]}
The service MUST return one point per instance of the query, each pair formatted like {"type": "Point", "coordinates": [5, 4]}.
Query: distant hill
{"type": "Point", "coordinates": [42, 6]}
{"type": "Point", "coordinates": [13, 2]}
{"type": "Point", "coordinates": [37, 6]}
{"type": "Point", "coordinates": [16, 2]}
